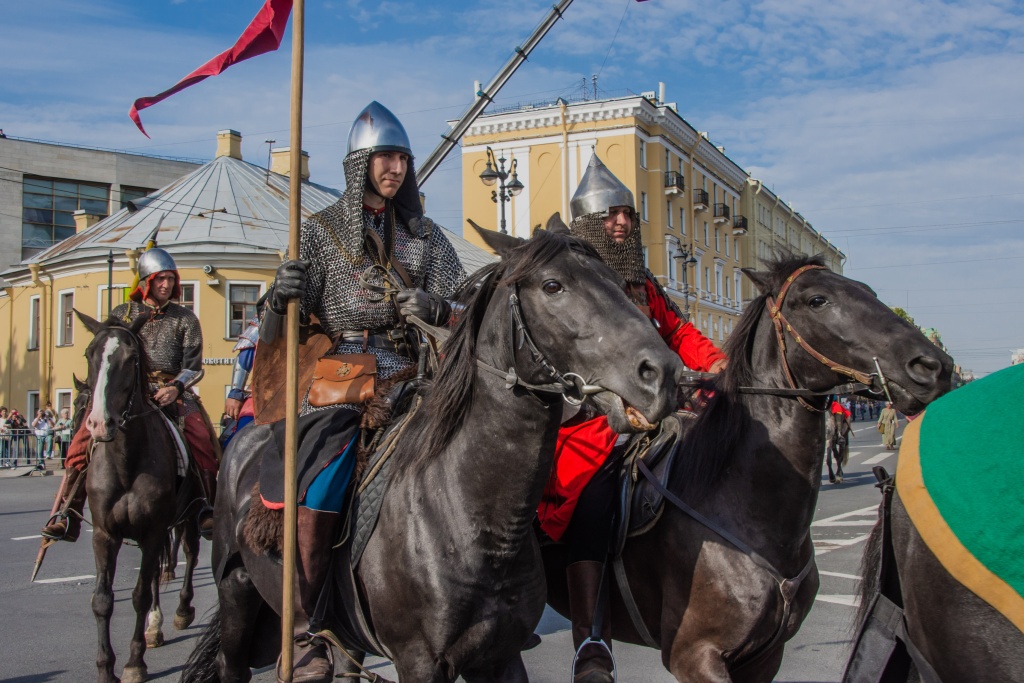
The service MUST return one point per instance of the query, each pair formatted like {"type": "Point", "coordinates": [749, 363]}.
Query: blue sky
{"type": "Point", "coordinates": [895, 128]}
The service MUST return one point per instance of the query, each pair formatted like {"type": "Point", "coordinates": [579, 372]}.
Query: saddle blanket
{"type": "Point", "coordinates": [960, 477]}
{"type": "Point", "coordinates": [179, 444]}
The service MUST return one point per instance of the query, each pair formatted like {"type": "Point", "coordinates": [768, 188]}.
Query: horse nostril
{"type": "Point", "coordinates": [648, 371]}
{"type": "Point", "coordinates": [924, 369]}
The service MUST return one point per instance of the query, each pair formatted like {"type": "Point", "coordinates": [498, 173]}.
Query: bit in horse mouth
{"type": "Point", "coordinates": [636, 418]}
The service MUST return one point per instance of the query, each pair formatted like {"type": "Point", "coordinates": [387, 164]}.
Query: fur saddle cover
{"type": "Point", "coordinates": [264, 527]}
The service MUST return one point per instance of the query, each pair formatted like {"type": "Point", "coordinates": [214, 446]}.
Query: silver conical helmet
{"type": "Point", "coordinates": [376, 129]}
{"type": "Point", "coordinates": [155, 260]}
{"type": "Point", "coordinates": [598, 191]}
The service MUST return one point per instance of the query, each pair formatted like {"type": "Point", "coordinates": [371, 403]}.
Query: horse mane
{"type": "Point", "coordinates": [710, 447]}
{"type": "Point", "coordinates": [446, 402]}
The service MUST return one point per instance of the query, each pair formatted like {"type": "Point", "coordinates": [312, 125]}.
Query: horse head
{"type": "Point", "coordinates": [578, 323]}
{"type": "Point", "coordinates": [81, 402]}
{"type": "Point", "coordinates": [116, 362]}
{"type": "Point", "coordinates": [833, 330]}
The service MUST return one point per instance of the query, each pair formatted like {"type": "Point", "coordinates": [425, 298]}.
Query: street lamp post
{"type": "Point", "coordinates": [683, 253]}
{"type": "Point", "coordinates": [496, 173]}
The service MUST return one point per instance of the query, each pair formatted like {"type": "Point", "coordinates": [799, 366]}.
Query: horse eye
{"type": "Point", "coordinates": [817, 301]}
{"type": "Point", "coordinates": [552, 287]}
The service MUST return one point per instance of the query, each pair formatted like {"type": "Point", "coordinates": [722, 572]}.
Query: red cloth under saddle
{"type": "Point", "coordinates": [582, 449]}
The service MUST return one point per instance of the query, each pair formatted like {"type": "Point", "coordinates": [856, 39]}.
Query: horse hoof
{"type": "Point", "coordinates": [183, 621]}
{"type": "Point", "coordinates": [135, 674]}
{"type": "Point", "coordinates": [154, 640]}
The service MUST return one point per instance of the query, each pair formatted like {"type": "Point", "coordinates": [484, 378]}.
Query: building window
{"type": "Point", "coordinates": [64, 401]}
{"type": "Point", "coordinates": [727, 245]}
{"type": "Point", "coordinates": [33, 406]}
{"type": "Point", "coordinates": [33, 323]}
{"type": "Point", "coordinates": [48, 210]}
{"type": "Point", "coordinates": [188, 297]}
{"type": "Point", "coordinates": [129, 193]}
{"type": "Point", "coordinates": [242, 300]}
{"type": "Point", "coordinates": [116, 299]}
{"type": "Point", "coordinates": [643, 154]}
{"type": "Point", "coordinates": [717, 241]}
{"type": "Point", "coordinates": [670, 262]}
{"type": "Point", "coordinates": [725, 283]}
{"type": "Point", "coordinates": [66, 318]}
{"type": "Point", "coordinates": [645, 258]}
{"type": "Point", "coordinates": [682, 170]}
{"type": "Point", "coordinates": [668, 212]}
{"type": "Point", "coordinates": [707, 241]}
{"type": "Point", "coordinates": [704, 182]}
{"type": "Point", "coordinates": [707, 280]}
{"type": "Point", "coordinates": [668, 159]}
{"type": "Point", "coordinates": [643, 205]}
{"type": "Point", "coordinates": [682, 221]}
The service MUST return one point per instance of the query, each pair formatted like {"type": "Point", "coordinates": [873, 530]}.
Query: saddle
{"type": "Point", "coordinates": [640, 504]}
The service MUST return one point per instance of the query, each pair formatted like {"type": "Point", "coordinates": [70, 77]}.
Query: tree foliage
{"type": "Point", "coordinates": [903, 314]}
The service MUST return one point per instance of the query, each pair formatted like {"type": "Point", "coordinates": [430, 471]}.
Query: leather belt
{"type": "Point", "coordinates": [377, 341]}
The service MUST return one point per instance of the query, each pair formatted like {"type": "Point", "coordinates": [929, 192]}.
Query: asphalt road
{"type": "Point", "coordinates": [50, 635]}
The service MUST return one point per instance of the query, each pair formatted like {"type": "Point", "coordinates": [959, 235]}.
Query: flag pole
{"type": "Point", "coordinates": [292, 377]}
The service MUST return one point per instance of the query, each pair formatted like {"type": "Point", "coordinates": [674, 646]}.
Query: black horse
{"type": "Point", "coordinates": [837, 444]}
{"type": "Point", "coordinates": [452, 574]}
{"type": "Point", "coordinates": [131, 488]}
{"type": "Point", "coordinates": [751, 466]}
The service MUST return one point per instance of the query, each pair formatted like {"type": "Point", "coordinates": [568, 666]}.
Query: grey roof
{"type": "Point", "coordinates": [226, 205]}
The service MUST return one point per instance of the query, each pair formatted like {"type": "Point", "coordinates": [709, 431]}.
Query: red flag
{"type": "Point", "coordinates": [262, 35]}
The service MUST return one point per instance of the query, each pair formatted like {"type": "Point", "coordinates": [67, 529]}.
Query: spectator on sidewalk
{"type": "Point", "coordinates": [18, 428]}
{"type": "Point", "coordinates": [63, 433]}
{"type": "Point", "coordinates": [5, 439]}
{"type": "Point", "coordinates": [43, 428]}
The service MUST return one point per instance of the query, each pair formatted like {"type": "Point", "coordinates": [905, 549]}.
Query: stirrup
{"type": "Point", "coordinates": [309, 639]}
{"type": "Point", "coordinates": [590, 640]}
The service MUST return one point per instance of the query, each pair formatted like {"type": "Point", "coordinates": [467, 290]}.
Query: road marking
{"type": "Point", "coordinates": [854, 454]}
{"type": "Point", "coordinates": [878, 458]}
{"type": "Point", "coordinates": [848, 600]}
{"type": "Point", "coordinates": [70, 578]}
{"type": "Point", "coordinates": [26, 538]}
{"type": "Point", "coordinates": [832, 521]}
{"type": "Point", "coordinates": [840, 575]}
{"type": "Point", "coordinates": [822, 546]}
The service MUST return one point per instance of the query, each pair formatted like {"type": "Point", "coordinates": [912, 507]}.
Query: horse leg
{"type": "Point", "coordinates": [142, 599]}
{"type": "Point", "coordinates": [828, 462]}
{"type": "Point", "coordinates": [105, 549]}
{"type": "Point", "coordinates": [512, 671]}
{"type": "Point", "coordinates": [839, 465]}
{"type": "Point", "coordinates": [417, 663]}
{"type": "Point", "coordinates": [188, 535]}
{"type": "Point", "coordinates": [155, 619]}
{"type": "Point", "coordinates": [172, 562]}
{"type": "Point", "coordinates": [240, 605]}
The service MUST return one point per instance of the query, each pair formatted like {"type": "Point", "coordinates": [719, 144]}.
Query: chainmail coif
{"type": "Point", "coordinates": [626, 259]}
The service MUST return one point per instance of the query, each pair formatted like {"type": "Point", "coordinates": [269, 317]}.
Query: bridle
{"type": "Point", "coordinates": [867, 380]}
{"type": "Point", "coordinates": [570, 385]}
{"type": "Point", "coordinates": [126, 415]}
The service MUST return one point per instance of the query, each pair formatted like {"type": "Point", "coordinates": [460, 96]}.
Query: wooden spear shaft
{"type": "Point", "coordinates": [291, 434]}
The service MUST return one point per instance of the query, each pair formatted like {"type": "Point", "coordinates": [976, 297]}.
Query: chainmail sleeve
{"type": "Point", "coordinates": [445, 273]}
{"type": "Point", "coordinates": [309, 251]}
{"type": "Point", "coordinates": [192, 344]}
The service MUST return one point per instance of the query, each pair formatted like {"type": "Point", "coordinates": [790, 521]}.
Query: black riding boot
{"type": "Point", "coordinates": [594, 664]}
{"type": "Point", "coordinates": [209, 480]}
{"type": "Point", "coordinates": [68, 526]}
{"type": "Point", "coordinates": [316, 534]}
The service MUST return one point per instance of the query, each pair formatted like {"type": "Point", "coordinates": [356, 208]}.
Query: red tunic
{"type": "Point", "coordinates": [582, 448]}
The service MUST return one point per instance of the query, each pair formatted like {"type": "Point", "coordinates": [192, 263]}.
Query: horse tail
{"type": "Point", "coordinates": [201, 665]}
{"type": "Point", "coordinates": [869, 565]}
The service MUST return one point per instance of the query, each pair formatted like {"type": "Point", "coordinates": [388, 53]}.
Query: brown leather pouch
{"type": "Point", "coordinates": [343, 378]}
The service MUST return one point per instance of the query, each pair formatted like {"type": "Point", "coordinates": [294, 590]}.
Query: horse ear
{"type": "Point", "coordinates": [556, 224]}
{"type": "Point", "coordinates": [139, 321]}
{"type": "Point", "coordinates": [760, 279]}
{"type": "Point", "coordinates": [80, 386]}
{"type": "Point", "coordinates": [502, 244]}
{"type": "Point", "coordinates": [90, 323]}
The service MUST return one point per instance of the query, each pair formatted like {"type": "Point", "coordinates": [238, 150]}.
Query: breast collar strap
{"type": "Point", "coordinates": [779, 321]}
{"type": "Point", "coordinates": [571, 385]}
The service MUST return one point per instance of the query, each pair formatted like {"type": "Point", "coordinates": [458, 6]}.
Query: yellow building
{"type": "Point", "coordinates": [687, 191]}
{"type": "Point", "coordinates": [702, 217]}
{"type": "Point", "coordinates": [226, 225]}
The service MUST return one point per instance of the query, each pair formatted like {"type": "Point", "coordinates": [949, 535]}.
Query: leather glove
{"type": "Point", "coordinates": [289, 283]}
{"type": "Point", "coordinates": [429, 308]}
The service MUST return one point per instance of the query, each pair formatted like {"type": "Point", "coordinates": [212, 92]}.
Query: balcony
{"type": "Point", "coordinates": [721, 213]}
{"type": "Point", "coordinates": [739, 225]}
{"type": "Point", "coordinates": [700, 200]}
{"type": "Point", "coordinates": [673, 183]}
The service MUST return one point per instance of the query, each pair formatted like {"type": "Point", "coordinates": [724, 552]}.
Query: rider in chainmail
{"type": "Point", "coordinates": [173, 342]}
{"type": "Point", "coordinates": [577, 505]}
{"type": "Point", "coordinates": [350, 277]}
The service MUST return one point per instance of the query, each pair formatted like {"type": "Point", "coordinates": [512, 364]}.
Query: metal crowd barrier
{"type": "Point", "coordinates": [21, 448]}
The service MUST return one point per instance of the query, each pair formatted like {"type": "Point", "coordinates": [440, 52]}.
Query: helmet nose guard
{"type": "Point", "coordinates": [599, 191]}
{"type": "Point", "coordinates": [376, 129]}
